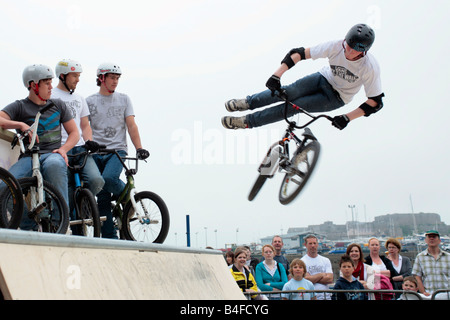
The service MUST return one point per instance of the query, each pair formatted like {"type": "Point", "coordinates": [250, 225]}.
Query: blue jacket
{"type": "Point", "coordinates": [343, 284]}
{"type": "Point", "coordinates": [262, 276]}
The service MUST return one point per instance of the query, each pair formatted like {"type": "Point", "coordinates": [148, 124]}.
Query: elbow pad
{"type": "Point", "coordinates": [288, 60]}
{"type": "Point", "coordinates": [368, 109]}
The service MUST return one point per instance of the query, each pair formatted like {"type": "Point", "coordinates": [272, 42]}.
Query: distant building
{"type": "Point", "coordinates": [389, 225]}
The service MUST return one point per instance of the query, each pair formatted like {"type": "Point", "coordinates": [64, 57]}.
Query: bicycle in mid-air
{"type": "Point", "coordinates": [44, 206]}
{"type": "Point", "coordinates": [139, 216]}
{"type": "Point", "coordinates": [297, 169]}
{"type": "Point", "coordinates": [86, 220]}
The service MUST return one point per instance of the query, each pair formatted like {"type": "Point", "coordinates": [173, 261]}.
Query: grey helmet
{"type": "Point", "coordinates": [360, 37]}
{"type": "Point", "coordinates": [108, 67]}
{"type": "Point", "coordinates": [65, 66]}
{"type": "Point", "coordinates": [35, 73]}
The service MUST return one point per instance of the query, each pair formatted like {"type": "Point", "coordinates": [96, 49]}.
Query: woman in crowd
{"type": "Point", "coordinates": [401, 264]}
{"type": "Point", "coordinates": [380, 263]}
{"type": "Point", "coordinates": [241, 274]}
{"type": "Point", "coordinates": [363, 272]}
{"type": "Point", "coordinates": [229, 258]}
{"type": "Point", "coordinates": [270, 275]}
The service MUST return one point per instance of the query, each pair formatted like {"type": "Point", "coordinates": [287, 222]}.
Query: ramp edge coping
{"type": "Point", "coordinates": [61, 240]}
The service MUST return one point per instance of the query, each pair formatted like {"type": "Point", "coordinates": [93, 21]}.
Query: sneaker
{"type": "Point", "coordinates": [237, 105]}
{"type": "Point", "coordinates": [234, 122]}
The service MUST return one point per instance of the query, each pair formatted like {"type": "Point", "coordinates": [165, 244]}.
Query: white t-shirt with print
{"type": "Point", "coordinates": [316, 265]}
{"type": "Point", "coordinates": [78, 108]}
{"type": "Point", "coordinates": [347, 77]}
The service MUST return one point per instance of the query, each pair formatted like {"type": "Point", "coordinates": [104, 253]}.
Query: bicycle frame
{"type": "Point", "coordinates": [278, 157]}
{"type": "Point", "coordinates": [37, 202]}
{"type": "Point", "coordinates": [129, 191]}
{"type": "Point", "coordinates": [78, 186]}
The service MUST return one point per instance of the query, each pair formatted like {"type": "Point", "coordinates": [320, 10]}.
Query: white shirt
{"type": "Point", "coordinates": [316, 265]}
{"type": "Point", "coordinates": [78, 108]}
{"type": "Point", "coordinates": [345, 76]}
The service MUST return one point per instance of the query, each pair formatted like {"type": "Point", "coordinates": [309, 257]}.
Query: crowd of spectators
{"type": "Point", "coordinates": [311, 277]}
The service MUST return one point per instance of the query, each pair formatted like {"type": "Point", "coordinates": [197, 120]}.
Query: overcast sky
{"type": "Point", "coordinates": [182, 59]}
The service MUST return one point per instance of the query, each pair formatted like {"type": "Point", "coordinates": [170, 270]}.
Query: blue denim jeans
{"type": "Point", "coordinates": [53, 169]}
{"type": "Point", "coordinates": [90, 175]}
{"type": "Point", "coordinates": [110, 169]}
{"type": "Point", "coordinates": [313, 93]}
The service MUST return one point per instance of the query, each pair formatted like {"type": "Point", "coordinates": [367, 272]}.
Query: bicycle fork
{"type": "Point", "coordinates": [40, 204]}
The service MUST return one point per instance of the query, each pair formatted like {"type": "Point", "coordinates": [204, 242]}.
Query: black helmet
{"type": "Point", "coordinates": [360, 37]}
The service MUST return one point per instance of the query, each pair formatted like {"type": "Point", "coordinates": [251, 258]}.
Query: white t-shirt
{"type": "Point", "coordinates": [78, 108]}
{"type": "Point", "coordinates": [345, 76]}
{"type": "Point", "coordinates": [108, 119]}
{"type": "Point", "coordinates": [316, 265]}
{"type": "Point", "coordinates": [298, 285]}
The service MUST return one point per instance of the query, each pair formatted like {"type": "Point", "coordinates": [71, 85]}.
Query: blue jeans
{"type": "Point", "coordinates": [54, 171]}
{"type": "Point", "coordinates": [90, 175]}
{"type": "Point", "coordinates": [110, 169]}
{"type": "Point", "coordinates": [313, 93]}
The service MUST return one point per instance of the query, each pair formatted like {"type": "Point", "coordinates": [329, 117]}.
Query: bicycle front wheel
{"type": "Point", "coordinates": [256, 187]}
{"type": "Point", "coordinates": [54, 218]}
{"type": "Point", "coordinates": [11, 200]}
{"type": "Point", "coordinates": [150, 223]}
{"type": "Point", "coordinates": [302, 165]}
{"type": "Point", "coordinates": [87, 222]}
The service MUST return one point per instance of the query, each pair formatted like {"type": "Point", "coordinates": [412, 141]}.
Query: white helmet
{"type": "Point", "coordinates": [66, 65]}
{"type": "Point", "coordinates": [35, 73]}
{"type": "Point", "coordinates": [108, 67]}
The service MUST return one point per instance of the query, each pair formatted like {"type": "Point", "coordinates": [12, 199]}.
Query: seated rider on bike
{"type": "Point", "coordinates": [68, 73]}
{"type": "Point", "coordinates": [350, 67]}
{"type": "Point", "coordinates": [111, 116]}
{"type": "Point", "coordinates": [37, 79]}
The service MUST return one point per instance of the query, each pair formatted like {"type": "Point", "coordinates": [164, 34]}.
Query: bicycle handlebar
{"type": "Point", "coordinates": [127, 170]}
{"type": "Point", "coordinates": [85, 154]}
{"type": "Point", "coordinates": [292, 123]}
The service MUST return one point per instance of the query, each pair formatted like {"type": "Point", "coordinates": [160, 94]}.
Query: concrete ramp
{"type": "Point", "coordinates": [48, 266]}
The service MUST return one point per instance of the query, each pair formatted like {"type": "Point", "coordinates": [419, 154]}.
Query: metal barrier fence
{"type": "Point", "coordinates": [443, 294]}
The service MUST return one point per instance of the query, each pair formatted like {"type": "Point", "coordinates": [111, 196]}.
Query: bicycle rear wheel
{"type": "Point", "coordinates": [152, 223]}
{"type": "Point", "coordinates": [11, 200]}
{"type": "Point", "coordinates": [54, 218]}
{"type": "Point", "coordinates": [302, 165]}
{"type": "Point", "coordinates": [87, 222]}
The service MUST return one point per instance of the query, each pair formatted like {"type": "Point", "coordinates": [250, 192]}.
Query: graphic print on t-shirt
{"type": "Point", "coordinates": [343, 73]}
{"type": "Point", "coordinates": [49, 129]}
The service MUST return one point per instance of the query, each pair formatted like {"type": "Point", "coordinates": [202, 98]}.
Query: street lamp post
{"type": "Point", "coordinates": [351, 206]}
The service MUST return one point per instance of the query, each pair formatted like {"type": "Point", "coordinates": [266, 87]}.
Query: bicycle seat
{"type": "Point", "coordinates": [307, 133]}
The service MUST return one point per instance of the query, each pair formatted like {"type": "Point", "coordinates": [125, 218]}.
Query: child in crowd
{"type": "Point", "coordinates": [348, 282]}
{"type": "Point", "coordinates": [298, 282]}
{"type": "Point", "coordinates": [410, 284]}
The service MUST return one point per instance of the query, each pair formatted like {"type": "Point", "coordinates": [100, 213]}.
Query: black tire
{"type": "Point", "coordinates": [154, 229]}
{"type": "Point", "coordinates": [303, 161]}
{"type": "Point", "coordinates": [256, 187]}
{"type": "Point", "coordinates": [11, 200]}
{"type": "Point", "coordinates": [88, 210]}
{"type": "Point", "coordinates": [55, 217]}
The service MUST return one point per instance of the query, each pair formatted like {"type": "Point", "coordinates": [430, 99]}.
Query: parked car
{"type": "Point", "coordinates": [338, 250]}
